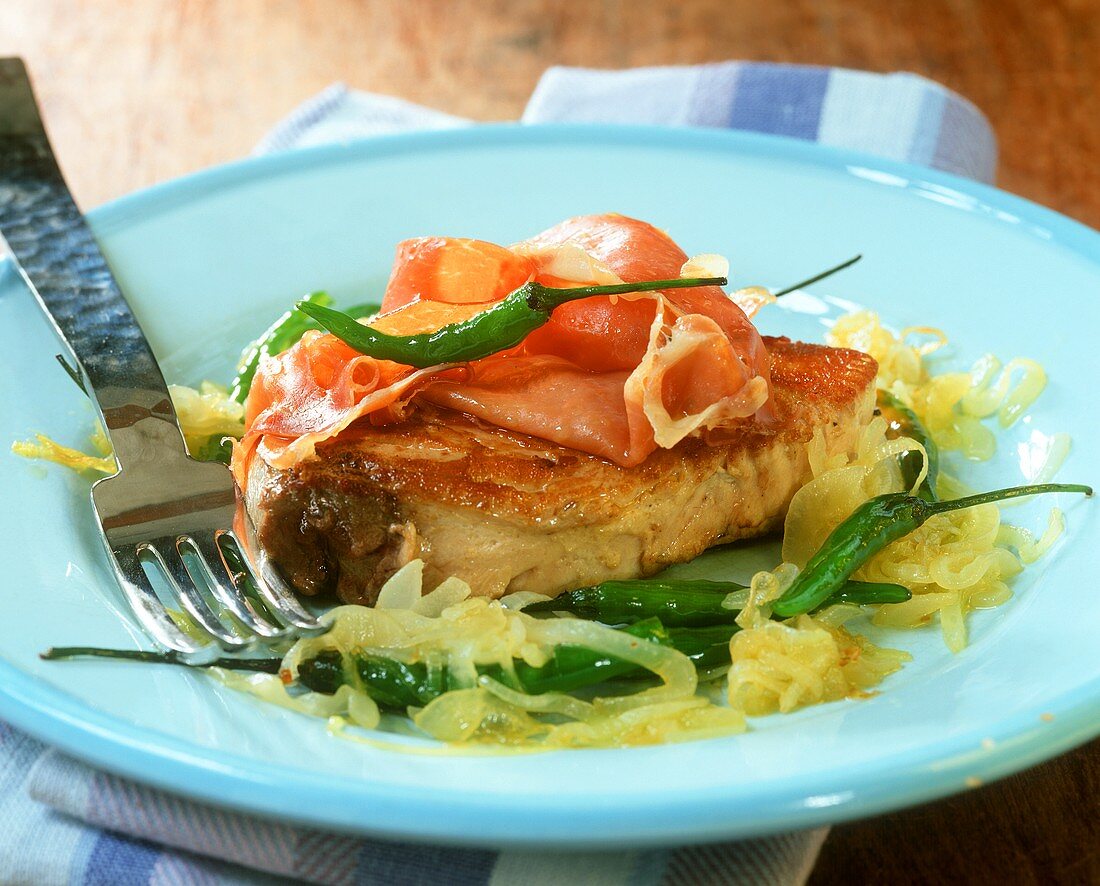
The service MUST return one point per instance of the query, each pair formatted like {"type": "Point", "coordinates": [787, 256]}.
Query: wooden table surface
{"type": "Point", "coordinates": [138, 91]}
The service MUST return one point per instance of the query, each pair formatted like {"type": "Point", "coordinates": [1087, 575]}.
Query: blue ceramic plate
{"type": "Point", "coordinates": [209, 260]}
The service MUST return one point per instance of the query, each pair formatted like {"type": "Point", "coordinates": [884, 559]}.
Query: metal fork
{"type": "Point", "coordinates": [161, 503]}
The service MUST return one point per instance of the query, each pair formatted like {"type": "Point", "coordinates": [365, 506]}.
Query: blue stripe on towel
{"type": "Point", "coordinates": [779, 99]}
{"type": "Point", "coordinates": [114, 861]}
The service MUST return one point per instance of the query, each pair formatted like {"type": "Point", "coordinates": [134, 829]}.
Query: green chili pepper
{"type": "Point", "coordinates": [675, 602]}
{"type": "Point", "coordinates": [389, 682]}
{"type": "Point", "coordinates": [280, 335]}
{"type": "Point", "coordinates": [684, 602]}
{"type": "Point", "coordinates": [904, 421]}
{"type": "Point", "coordinates": [575, 667]}
{"type": "Point", "coordinates": [512, 319]}
{"type": "Point", "coordinates": [497, 328]}
{"type": "Point", "coordinates": [870, 528]}
{"type": "Point", "coordinates": [869, 593]}
{"type": "Point", "coordinates": [707, 646]}
{"type": "Point", "coordinates": [398, 684]}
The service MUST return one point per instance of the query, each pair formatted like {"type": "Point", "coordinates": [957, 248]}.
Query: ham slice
{"type": "Point", "coordinates": [454, 270]}
{"type": "Point", "coordinates": [614, 377]}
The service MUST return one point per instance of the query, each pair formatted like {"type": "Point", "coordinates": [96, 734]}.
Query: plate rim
{"type": "Point", "coordinates": [463, 817]}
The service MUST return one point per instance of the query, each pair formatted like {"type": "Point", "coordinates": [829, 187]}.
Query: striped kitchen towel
{"type": "Point", "coordinates": [897, 116]}
{"type": "Point", "coordinates": [62, 822]}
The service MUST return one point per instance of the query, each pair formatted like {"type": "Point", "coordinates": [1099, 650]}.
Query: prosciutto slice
{"type": "Point", "coordinates": [612, 376]}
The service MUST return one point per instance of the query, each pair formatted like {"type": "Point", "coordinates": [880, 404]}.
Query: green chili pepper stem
{"type": "Point", "coordinates": [984, 498]}
{"type": "Point", "coordinates": [819, 277]}
{"type": "Point", "coordinates": [870, 528]}
{"type": "Point", "coordinates": [65, 653]}
{"type": "Point", "coordinates": [501, 326]}
{"type": "Point", "coordinates": [546, 298]}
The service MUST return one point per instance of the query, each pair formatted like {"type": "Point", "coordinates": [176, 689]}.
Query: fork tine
{"type": "Point", "coordinates": [226, 588]}
{"type": "Point", "coordinates": [275, 592]}
{"type": "Point", "coordinates": [146, 606]}
{"type": "Point", "coordinates": [188, 594]}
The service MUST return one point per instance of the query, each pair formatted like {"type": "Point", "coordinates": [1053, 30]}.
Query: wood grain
{"type": "Point", "coordinates": [137, 91]}
{"type": "Point", "coordinates": [1034, 828]}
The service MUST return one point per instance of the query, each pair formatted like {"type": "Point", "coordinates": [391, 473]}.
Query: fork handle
{"type": "Point", "coordinates": [61, 262]}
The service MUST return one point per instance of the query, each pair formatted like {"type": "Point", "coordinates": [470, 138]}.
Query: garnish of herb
{"type": "Point", "coordinates": [502, 326]}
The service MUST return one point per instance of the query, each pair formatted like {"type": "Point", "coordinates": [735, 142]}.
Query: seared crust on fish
{"type": "Point", "coordinates": [506, 512]}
